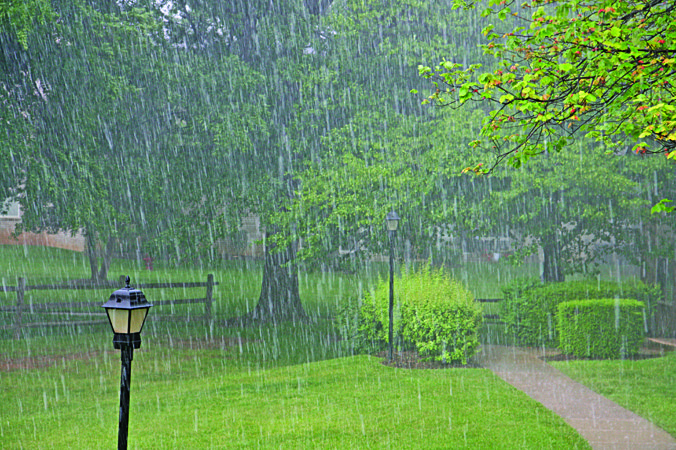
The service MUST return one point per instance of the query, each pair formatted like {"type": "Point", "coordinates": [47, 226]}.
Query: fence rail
{"type": "Point", "coordinates": [495, 318]}
{"type": "Point", "coordinates": [21, 308]}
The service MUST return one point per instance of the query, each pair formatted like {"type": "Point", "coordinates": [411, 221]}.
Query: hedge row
{"type": "Point", "coordinates": [605, 328]}
{"type": "Point", "coordinates": [530, 307]}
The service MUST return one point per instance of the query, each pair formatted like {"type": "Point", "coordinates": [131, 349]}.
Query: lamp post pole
{"type": "Point", "coordinates": [127, 354]}
{"type": "Point", "coordinates": [392, 221]}
{"type": "Point", "coordinates": [391, 335]}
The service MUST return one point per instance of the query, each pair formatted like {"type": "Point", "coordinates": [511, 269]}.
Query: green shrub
{"type": "Point", "coordinates": [433, 313]}
{"type": "Point", "coordinates": [359, 328]}
{"type": "Point", "coordinates": [604, 328]}
{"type": "Point", "coordinates": [529, 308]}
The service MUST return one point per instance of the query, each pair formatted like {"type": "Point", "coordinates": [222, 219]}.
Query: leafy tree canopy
{"type": "Point", "coordinates": [18, 18]}
{"type": "Point", "coordinates": [604, 69]}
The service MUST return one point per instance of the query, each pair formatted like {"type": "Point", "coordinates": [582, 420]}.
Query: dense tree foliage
{"type": "Point", "coordinates": [580, 71]}
{"type": "Point", "coordinates": [601, 68]}
{"type": "Point", "coordinates": [155, 126]}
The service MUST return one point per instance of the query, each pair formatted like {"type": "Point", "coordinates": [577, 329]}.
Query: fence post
{"type": "Point", "coordinates": [20, 289]}
{"type": "Point", "coordinates": [210, 296]}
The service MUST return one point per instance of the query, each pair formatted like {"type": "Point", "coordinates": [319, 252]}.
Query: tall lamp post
{"type": "Point", "coordinates": [392, 221]}
{"type": "Point", "coordinates": [127, 310]}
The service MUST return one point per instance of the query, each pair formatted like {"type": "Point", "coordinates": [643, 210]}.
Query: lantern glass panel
{"type": "Point", "coordinates": [119, 320]}
{"type": "Point", "coordinates": [138, 316]}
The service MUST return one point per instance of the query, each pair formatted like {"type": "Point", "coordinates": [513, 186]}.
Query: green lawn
{"type": "Point", "coordinates": [322, 292]}
{"type": "Point", "coordinates": [220, 395]}
{"type": "Point", "coordinates": [291, 386]}
{"type": "Point", "coordinates": [646, 387]}
{"type": "Point", "coordinates": [196, 386]}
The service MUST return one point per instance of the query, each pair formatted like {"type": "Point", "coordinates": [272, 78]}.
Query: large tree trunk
{"type": "Point", "coordinates": [90, 248]}
{"type": "Point", "coordinates": [98, 273]}
{"type": "Point", "coordinates": [280, 298]}
{"type": "Point", "coordinates": [551, 266]}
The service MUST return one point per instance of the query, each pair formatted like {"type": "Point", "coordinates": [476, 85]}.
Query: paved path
{"type": "Point", "coordinates": [602, 422]}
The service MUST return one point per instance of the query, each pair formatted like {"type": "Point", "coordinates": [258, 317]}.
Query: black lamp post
{"type": "Point", "coordinates": [392, 221]}
{"type": "Point", "coordinates": [127, 310]}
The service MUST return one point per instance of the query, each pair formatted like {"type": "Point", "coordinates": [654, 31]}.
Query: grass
{"type": "Point", "coordinates": [237, 292]}
{"type": "Point", "coordinates": [645, 387]}
{"type": "Point", "coordinates": [197, 386]}
{"type": "Point", "coordinates": [264, 389]}
{"type": "Point", "coordinates": [292, 386]}
{"type": "Point", "coordinates": [322, 292]}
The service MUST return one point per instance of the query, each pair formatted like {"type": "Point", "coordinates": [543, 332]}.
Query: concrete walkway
{"type": "Point", "coordinates": [602, 422]}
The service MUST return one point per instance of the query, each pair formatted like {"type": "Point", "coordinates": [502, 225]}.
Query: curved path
{"type": "Point", "coordinates": [602, 422]}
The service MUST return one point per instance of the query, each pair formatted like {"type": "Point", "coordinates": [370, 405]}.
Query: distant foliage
{"type": "Point", "coordinates": [605, 328]}
{"type": "Point", "coordinates": [530, 308]}
{"type": "Point", "coordinates": [433, 313]}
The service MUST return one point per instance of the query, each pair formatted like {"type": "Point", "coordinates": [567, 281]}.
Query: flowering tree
{"type": "Point", "coordinates": [604, 69]}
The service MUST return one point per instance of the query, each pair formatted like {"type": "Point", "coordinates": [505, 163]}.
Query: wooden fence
{"type": "Point", "coordinates": [494, 318]}
{"type": "Point", "coordinates": [87, 309]}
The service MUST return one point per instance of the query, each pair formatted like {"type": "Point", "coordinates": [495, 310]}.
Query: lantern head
{"type": "Point", "coordinates": [392, 221]}
{"type": "Point", "coordinates": [127, 309]}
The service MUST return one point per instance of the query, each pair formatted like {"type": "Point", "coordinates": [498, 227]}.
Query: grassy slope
{"type": "Point", "coordinates": [645, 386]}
{"type": "Point", "coordinates": [290, 387]}
{"type": "Point", "coordinates": [211, 399]}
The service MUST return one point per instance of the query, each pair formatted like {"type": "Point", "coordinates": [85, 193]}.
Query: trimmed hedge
{"type": "Point", "coordinates": [605, 328]}
{"type": "Point", "coordinates": [530, 307]}
{"type": "Point", "coordinates": [434, 314]}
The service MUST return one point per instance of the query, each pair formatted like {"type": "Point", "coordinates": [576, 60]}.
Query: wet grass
{"type": "Point", "coordinates": [292, 386]}
{"type": "Point", "coordinates": [267, 387]}
{"type": "Point", "coordinates": [645, 387]}
{"type": "Point", "coordinates": [201, 386]}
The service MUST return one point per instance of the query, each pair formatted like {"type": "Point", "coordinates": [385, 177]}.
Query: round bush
{"type": "Point", "coordinates": [433, 313]}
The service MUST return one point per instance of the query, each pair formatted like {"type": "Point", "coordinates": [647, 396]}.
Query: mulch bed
{"type": "Point", "coordinates": [400, 360]}
{"type": "Point", "coordinates": [208, 344]}
{"type": "Point", "coordinates": [411, 360]}
{"type": "Point", "coordinates": [644, 353]}
{"type": "Point", "coordinates": [652, 348]}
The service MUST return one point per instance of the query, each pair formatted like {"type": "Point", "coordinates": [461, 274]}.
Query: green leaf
{"type": "Point", "coordinates": [662, 207]}
{"type": "Point", "coordinates": [502, 15]}
{"type": "Point", "coordinates": [506, 98]}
